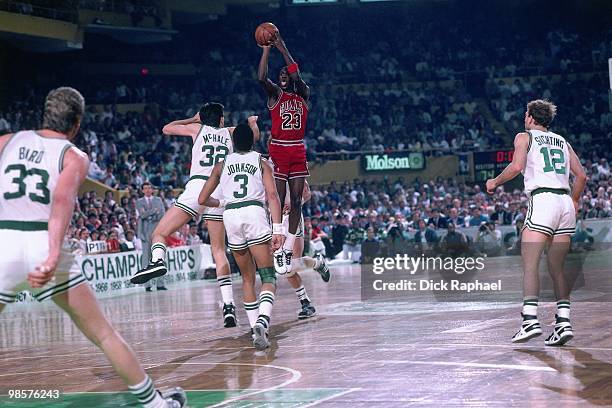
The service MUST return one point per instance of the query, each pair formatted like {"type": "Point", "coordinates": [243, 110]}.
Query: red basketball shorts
{"type": "Point", "coordinates": [289, 161]}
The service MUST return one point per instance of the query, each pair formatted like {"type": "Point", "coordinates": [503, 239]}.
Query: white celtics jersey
{"type": "Point", "coordinates": [210, 147]}
{"type": "Point", "coordinates": [30, 166]}
{"type": "Point", "coordinates": [242, 178]}
{"type": "Point", "coordinates": [548, 162]}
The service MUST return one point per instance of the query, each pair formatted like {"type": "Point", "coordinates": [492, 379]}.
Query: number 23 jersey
{"type": "Point", "coordinates": [289, 115]}
{"type": "Point", "coordinates": [30, 165]}
{"type": "Point", "coordinates": [548, 162]}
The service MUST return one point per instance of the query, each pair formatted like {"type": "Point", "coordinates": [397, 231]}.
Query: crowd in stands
{"type": "Point", "coordinates": [342, 216]}
{"type": "Point", "coordinates": [454, 85]}
{"type": "Point", "coordinates": [103, 225]}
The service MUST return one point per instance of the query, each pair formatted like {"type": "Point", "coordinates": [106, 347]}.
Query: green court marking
{"type": "Point", "coordinates": [290, 398]}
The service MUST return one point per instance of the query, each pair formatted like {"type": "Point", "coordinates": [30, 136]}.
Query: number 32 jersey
{"type": "Point", "coordinates": [289, 115]}
{"type": "Point", "coordinates": [548, 162]}
{"type": "Point", "coordinates": [210, 147]}
{"type": "Point", "coordinates": [30, 166]}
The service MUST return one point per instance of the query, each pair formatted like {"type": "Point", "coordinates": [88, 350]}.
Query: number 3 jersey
{"type": "Point", "coordinates": [30, 166]}
{"type": "Point", "coordinates": [548, 162]}
{"type": "Point", "coordinates": [242, 178]}
{"type": "Point", "coordinates": [210, 147]}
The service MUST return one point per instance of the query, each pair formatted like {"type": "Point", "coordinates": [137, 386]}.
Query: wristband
{"type": "Point", "coordinates": [277, 229]}
{"type": "Point", "coordinates": [293, 68]}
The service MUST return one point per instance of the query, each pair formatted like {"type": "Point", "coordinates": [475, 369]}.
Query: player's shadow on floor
{"type": "Point", "coordinates": [594, 375]}
{"type": "Point", "coordinates": [237, 372]}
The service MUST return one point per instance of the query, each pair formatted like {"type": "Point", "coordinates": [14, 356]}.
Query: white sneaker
{"type": "Point", "coordinates": [529, 329]}
{"type": "Point", "coordinates": [260, 336]}
{"type": "Point", "coordinates": [562, 333]}
{"type": "Point", "coordinates": [280, 265]}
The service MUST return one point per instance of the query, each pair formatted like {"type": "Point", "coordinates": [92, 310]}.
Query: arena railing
{"type": "Point", "coordinates": [33, 10]}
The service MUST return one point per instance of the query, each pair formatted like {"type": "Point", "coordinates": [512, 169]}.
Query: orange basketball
{"type": "Point", "coordinates": [265, 34]}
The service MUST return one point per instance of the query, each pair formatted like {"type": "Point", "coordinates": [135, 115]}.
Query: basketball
{"type": "Point", "coordinates": [265, 34]}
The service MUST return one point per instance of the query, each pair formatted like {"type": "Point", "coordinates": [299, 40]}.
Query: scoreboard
{"type": "Point", "coordinates": [489, 164]}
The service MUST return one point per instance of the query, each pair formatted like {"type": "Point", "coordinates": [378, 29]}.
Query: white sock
{"type": "Point", "coordinates": [266, 301]}
{"type": "Point", "coordinates": [225, 284]}
{"type": "Point", "coordinates": [530, 306]}
{"type": "Point", "coordinates": [252, 311]}
{"type": "Point", "coordinates": [301, 293]}
{"type": "Point", "coordinates": [158, 251]}
{"type": "Point", "coordinates": [289, 241]}
{"type": "Point", "coordinates": [563, 308]}
{"type": "Point", "coordinates": [147, 395]}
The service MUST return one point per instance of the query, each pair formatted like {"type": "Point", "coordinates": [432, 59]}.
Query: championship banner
{"type": "Point", "coordinates": [109, 274]}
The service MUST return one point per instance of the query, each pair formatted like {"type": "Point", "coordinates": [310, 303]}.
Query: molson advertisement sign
{"type": "Point", "coordinates": [395, 161]}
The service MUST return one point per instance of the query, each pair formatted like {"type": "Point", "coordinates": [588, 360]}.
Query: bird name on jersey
{"type": "Point", "coordinates": [292, 105]}
{"type": "Point", "coordinates": [549, 140]}
{"type": "Point", "coordinates": [215, 138]}
{"type": "Point", "coordinates": [33, 156]}
{"type": "Point", "coordinates": [241, 168]}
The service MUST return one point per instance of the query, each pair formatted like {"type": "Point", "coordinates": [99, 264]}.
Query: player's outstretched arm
{"type": "Point", "coordinates": [580, 177]}
{"type": "Point", "coordinates": [209, 187]}
{"type": "Point", "coordinates": [521, 146]}
{"type": "Point", "coordinates": [278, 236]}
{"type": "Point", "coordinates": [292, 68]}
{"type": "Point", "coordinates": [272, 90]}
{"type": "Point", "coordinates": [75, 168]}
{"type": "Point", "coordinates": [184, 127]}
{"type": "Point", "coordinates": [252, 121]}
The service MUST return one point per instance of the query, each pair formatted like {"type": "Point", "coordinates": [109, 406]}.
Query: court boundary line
{"type": "Point", "coordinates": [520, 367]}
{"type": "Point", "coordinates": [388, 347]}
{"type": "Point", "coordinates": [321, 400]}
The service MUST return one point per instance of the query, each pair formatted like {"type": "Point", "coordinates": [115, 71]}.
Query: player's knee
{"type": "Point", "coordinates": [267, 275]}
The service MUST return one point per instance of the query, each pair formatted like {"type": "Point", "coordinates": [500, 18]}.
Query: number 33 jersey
{"type": "Point", "coordinates": [242, 178]}
{"type": "Point", "coordinates": [548, 162]}
{"type": "Point", "coordinates": [210, 147]}
{"type": "Point", "coordinates": [30, 166]}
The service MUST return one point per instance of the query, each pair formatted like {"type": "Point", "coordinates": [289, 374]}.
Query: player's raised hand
{"type": "Point", "coordinates": [252, 119]}
{"type": "Point", "coordinates": [278, 42]}
{"type": "Point", "coordinates": [42, 274]}
{"type": "Point", "coordinates": [277, 241]}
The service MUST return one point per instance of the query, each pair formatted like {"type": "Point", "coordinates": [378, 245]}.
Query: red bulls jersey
{"type": "Point", "coordinates": [289, 115]}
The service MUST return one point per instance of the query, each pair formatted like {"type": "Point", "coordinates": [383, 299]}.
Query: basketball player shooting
{"type": "Point", "coordinates": [287, 103]}
{"type": "Point", "coordinates": [546, 160]}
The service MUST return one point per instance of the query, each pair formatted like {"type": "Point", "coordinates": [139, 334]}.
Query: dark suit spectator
{"type": "Point", "coordinates": [437, 220]}
{"type": "Point", "coordinates": [425, 238]}
{"type": "Point", "coordinates": [150, 211]}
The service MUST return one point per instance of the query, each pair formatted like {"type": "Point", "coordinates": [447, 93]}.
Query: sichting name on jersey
{"type": "Point", "coordinates": [215, 138]}
{"type": "Point", "coordinates": [292, 105]}
{"type": "Point", "coordinates": [241, 168]}
{"type": "Point", "coordinates": [34, 156]}
{"type": "Point", "coordinates": [549, 140]}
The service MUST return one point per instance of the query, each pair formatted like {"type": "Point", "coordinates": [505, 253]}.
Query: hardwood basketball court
{"type": "Point", "coordinates": [353, 354]}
